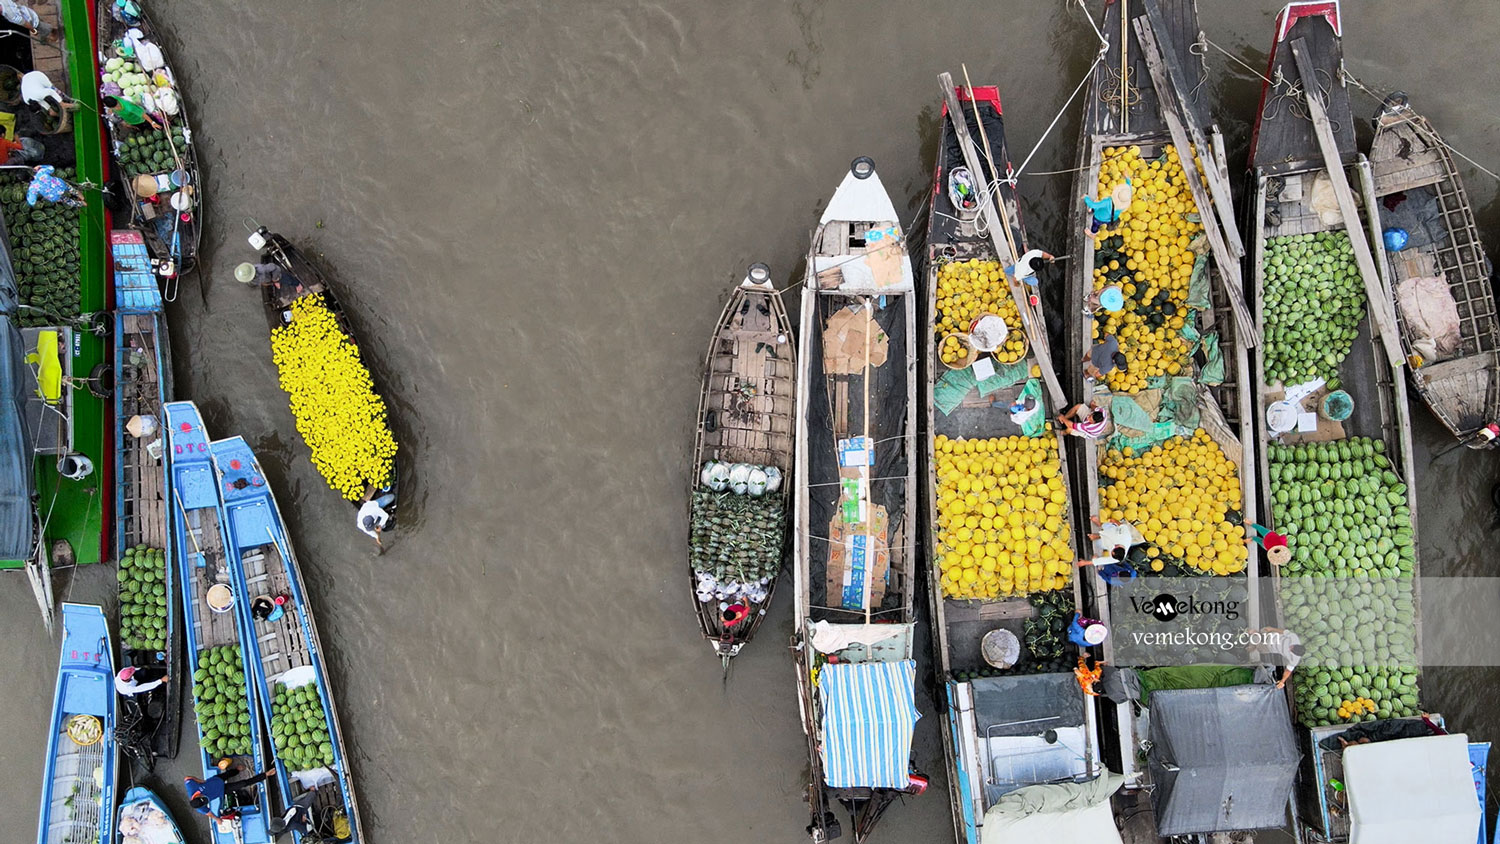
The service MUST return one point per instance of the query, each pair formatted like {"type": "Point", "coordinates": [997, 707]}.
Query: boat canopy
{"type": "Point", "coordinates": [868, 718]}
{"type": "Point", "coordinates": [16, 445]}
{"type": "Point", "coordinates": [1222, 759]}
{"type": "Point", "coordinates": [1416, 789]}
{"type": "Point", "coordinates": [1061, 813]}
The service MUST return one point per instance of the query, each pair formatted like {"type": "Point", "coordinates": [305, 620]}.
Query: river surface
{"type": "Point", "coordinates": [535, 211]}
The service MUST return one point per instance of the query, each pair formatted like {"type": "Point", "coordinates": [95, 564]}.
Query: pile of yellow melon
{"type": "Point", "coordinates": [1179, 495]}
{"type": "Point", "coordinates": [1001, 516]}
{"type": "Point", "coordinates": [966, 291]}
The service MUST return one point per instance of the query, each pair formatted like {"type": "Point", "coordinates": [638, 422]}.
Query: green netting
{"type": "Point", "coordinates": [1212, 371]}
{"type": "Point", "coordinates": [1035, 424]}
{"type": "Point", "coordinates": [950, 389]}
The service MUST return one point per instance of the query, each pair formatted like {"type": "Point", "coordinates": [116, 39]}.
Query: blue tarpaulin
{"type": "Point", "coordinates": [868, 717]}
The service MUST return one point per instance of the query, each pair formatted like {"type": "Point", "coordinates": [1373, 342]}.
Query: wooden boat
{"type": "Point", "coordinates": [149, 635]}
{"type": "Point", "coordinates": [1148, 113]}
{"type": "Point", "coordinates": [299, 280]}
{"type": "Point", "coordinates": [78, 786]}
{"type": "Point", "coordinates": [73, 508]}
{"type": "Point", "coordinates": [214, 635]}
{"type": "Point", "coordinates": [143, 815]}
{"type": "Point", "coordinates": [156, 167]}
{"type": "Point", "coordinates": [1419, 193]}
{"type": "Point", "coordinates": [991, 746]}
{"type": "Point", "coordinates": [744, 417]}
{"type": "Point", "coordinates": [856, 497]}
{"type": "Point", "coordinates": [1309, 182]}
{"type": "Point", "coordinates": [285, 655]}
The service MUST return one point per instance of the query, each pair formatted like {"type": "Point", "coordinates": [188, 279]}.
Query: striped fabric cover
{"type": "Point", "coordinates": [868, 718]}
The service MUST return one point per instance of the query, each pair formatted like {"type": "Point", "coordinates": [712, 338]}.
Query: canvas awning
{"type": "Point", "coordinates": [1060, 813]}
{"type": "Point", "coordinates": [16, 446]}
{"type": "Point", "coordinates": [1416, 789]}
{"type": "Point", "coordinates": [868, 717]}
{"type": "Point", "coordinates": [1222, 759]}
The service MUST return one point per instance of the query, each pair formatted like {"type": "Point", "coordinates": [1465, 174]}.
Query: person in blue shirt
{"type": "Point", "coordinates": [1106, 211]}
{"type": "Point", "coordinates": [203, 794]}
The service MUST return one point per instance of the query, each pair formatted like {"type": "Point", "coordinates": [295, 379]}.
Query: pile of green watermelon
{"type": "Point", "coordinates": [143, 598]}
{"type": "Point", "coordinates": [1314, 301]}
{"type": "Point", "coordinates": [1346, 513]}
{"type": "Point", "coordinates": [299, 728]}
{"type": "Point", "coordinates": [150, 151]}
{"type": "Point", "coordinates": [220, 702]}
{"type": "Point", "coordinates": [44, 250]}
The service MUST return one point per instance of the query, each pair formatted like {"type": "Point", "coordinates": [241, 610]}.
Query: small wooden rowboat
{"type": "Point", "coordinates": [1439, 272]}
{"type": "Point", "coordinates": [742, 463]}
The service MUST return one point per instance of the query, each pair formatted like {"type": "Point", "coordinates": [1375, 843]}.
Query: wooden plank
{"type": "Point", "coordinates": [1036, 335]}
{"type": "Point", "coordinates": [1380, 306]}
{"type": "Point", "coordinates": [1229, 265]}
{"type": "Point", "coordinates": [1162, 57]}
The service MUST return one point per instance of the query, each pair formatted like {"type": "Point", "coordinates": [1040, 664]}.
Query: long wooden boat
{"type": "Point", "coordinates": [149, 607]}
{"type": "Point", "coordinates": [856, 498]}
{"type": "Point", "coordinates": [737, 538]}
{"type": "Point", "coordinates": [980, 586]}
{"type": "Point", "coordinates": [303, 285]}
{"type": "Point", "coordinates": [1181, 445]}
{"type": "Point", "coordinates": [144, 816]}
{"type": "Point", "coordinates": [58, 255]}
{"type": "Point", "coordinates": [156, 167]}
{"type": "Point", "coordinates": [78, 786]}
{"type": "Point", "coordinates": [1419, 194]}
{"type": "Point", "coordinates": [224, 697]}
{"type": "Point", "coordinates": [1309, 181]}
{"type": "Point", "coordinates": [286, 658]}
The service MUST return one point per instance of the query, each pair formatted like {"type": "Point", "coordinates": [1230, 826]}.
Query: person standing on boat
{"type": "Point", "coordinates": [133, 681]}
{"type": "Point", "coordinates": [1107, 210]}
{"type": "Point", "coordinates": [1024, 270]}
{"type": "Point", "coordinates": [22, 15]}
{"type": "Point", "coordinates": [1279, 651]}
{"type": "Point", "coordinates": [1104, 357]}
{"type": "Point", "coordinates": [372, 516]}
{"type": "Point", "coordinates": [46, 186]}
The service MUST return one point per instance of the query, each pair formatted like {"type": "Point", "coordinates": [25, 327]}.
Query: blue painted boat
{"type": "Point", "coordinates": [143, 815]}
{"type": "Point", "coordinates": [285, 656]}
{"type": "Point", "coordinates": [78, 788]}
{"type": "Point", "coordinates": [149, 634]}
{"type": "Point", "coordinates": [211, 625]}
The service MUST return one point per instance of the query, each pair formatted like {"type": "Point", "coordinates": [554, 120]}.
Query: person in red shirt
{"type": "Point", "coordinates": [735, 615]}
{"type": "Point", "coordinates": [1266, 537]}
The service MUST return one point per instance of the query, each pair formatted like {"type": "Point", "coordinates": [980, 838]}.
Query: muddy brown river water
{"type": "Point", "coordinates": [535, 211]}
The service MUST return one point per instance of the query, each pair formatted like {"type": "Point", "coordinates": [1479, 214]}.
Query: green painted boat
{"type": "Point", "coordinates": [57, 256]}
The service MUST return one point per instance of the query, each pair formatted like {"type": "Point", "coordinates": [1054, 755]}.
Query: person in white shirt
{"type": "Point", "coordinates": [372, 515]}
{"type": "Point", "coordinates": [38, 91]}
{"type": "Point", "coordinates": [133, 681]}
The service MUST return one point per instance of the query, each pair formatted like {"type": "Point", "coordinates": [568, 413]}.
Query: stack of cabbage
{"type": "Point", "coordinates": [130, 76]}
{"type": "Point", "coordinates": [736, 532]}
{"type": "Point", "coordinates": [219, 700]}
{"type": "Point", "coordinates": [333, 399]}
{"type": "Point", "coordinates": [143, 599]}
{"type": "Point", "coordinates": [44, 250]}
{"type": "Point", "coordinates": [1348, 589]}
{"type": "Point", "coordinates": [299, 728]}
{"type": "Point", "coordinates": [151, 151]}
{"type": "Point", "coordinates": [1314, 301]}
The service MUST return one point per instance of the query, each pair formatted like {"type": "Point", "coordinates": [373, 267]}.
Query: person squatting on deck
{"type": "Point", "coordinates": [298, 817]}
{"type": "Point", "coordinates": [46, 186]}
{"type": "Point", "coordinates": [203, 793]}
{"type": "Point", "coordinates": [1089, 421]}
{"type": "Point", "coordinates": [1106, 210]}
{"type": "Point", "coordinates": [1279, 653]}
{"type": "Point", "coordinates": [372, 516]}
{"type": "Point", "coordinates": [38, 92]}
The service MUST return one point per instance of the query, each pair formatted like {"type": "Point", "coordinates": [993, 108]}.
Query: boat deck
{"type": "Point", "coordinates": [75, 795]}
{"type": "Point", "coordinates": [1284, 140]}
{"type": "Point", "coordinates": [211, 629]}
{"type": "Point", "coordinates": [144, 516]}
{"type": "Point", "coordinates": [282, 643]}
{"type": "Point", "coordinates": [1103, 114]}
{"type": "Point", "coordinates": [750, 388]}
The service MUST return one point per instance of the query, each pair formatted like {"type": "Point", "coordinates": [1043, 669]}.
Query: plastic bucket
{"type": "Point", "coordinates": [1336, 406]}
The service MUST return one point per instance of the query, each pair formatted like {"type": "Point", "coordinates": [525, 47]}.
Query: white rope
{"type": "Point", "coordinates": [1103, 42]}
{"type": "Point", "coordinates": [1431, 136]}
{"type": "Point", "coordinates": [1203, 40]}
{"type": "Point", "coordinates": [1016, 174]}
